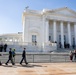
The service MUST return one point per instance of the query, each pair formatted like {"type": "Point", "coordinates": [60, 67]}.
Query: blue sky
{"type": "Point", "coordinates": [11, 11]}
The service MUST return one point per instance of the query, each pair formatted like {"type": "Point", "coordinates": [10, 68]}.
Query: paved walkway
{"type": "Point", "coordinates": [39, 69]}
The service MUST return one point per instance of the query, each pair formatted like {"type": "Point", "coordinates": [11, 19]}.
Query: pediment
{"type": "Point", "coordinates": [64, 11]}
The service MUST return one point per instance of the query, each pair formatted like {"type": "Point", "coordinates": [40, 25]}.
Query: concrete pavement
{"type": "Point", "coordinates": [39, 69]}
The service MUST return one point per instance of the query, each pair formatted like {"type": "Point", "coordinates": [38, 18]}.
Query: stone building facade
{"type": "Point", "coordinates": [47, 29]}
{"type": "Point", "coordinates": [57, 25]}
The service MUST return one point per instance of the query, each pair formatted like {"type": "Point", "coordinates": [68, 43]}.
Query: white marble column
{"type": "Point", "coordinates": [47, 31]}
{"type": "Point", "coordinates": [25, 30]}
{"type": "Point", "coordinates": [75, 32]}
{"type": "Point", "coordinates": [62, 34]}
{"type": "Point", "coordinates": [69, 33]}
{"type": "Point", "coordinates": [23, 35]}
{"type": "Point", "coordinates": [43, 31]}
{"type": "Point", "coordinates": [54, 31]}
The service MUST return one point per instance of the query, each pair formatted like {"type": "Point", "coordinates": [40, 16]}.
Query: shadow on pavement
{"type": "Point", "coordinates": [29, 65]}
{"type": "Point", "coordinates": [24, 65]}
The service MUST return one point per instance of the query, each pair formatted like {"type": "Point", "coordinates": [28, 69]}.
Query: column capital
{"type": "Point", "coordinates": [46, 19]}
{"type": "Point", "coordinates": [74, 23]}
{"type": "Point", "coordinates": [68, 22]}
{"type": "Point", "coordinates": [54, 20]}
{"type": "Point", "coordinates": [61, 21]}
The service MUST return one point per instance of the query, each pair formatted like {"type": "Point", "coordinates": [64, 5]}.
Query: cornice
{"type": "Point", "coordinates": [63, 15]}
{"type": "Point", "coordinates": [60, 9]}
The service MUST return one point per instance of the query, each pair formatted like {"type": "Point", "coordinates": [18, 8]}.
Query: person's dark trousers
{"type": "Point", "coordinates": [4, 49]}
{"type": "Point", "coordinates": [0, 63]}
{"type": "Point", "coordinates": [10, 60]}
{"type": "Point", "coordinates": [0, 49]}
{"type": "Point", "coordinates": [24, 60]}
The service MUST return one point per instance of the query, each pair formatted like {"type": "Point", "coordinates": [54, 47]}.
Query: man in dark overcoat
{"type": "Point", "coordinates": [10, 57]}
{"type": "Point", "coordinates": [23, 57]}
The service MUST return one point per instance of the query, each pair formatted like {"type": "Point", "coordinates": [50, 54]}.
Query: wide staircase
{"type": "Point", "coordinates": [36, 48]}
{"type": "Point", "coordinates": [63, 50]}
{"type": "Point", "coordinates": [30, 47]}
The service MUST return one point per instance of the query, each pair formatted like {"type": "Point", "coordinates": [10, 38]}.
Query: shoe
{"type": "Point", "coordinates": [13, 64]}
{"type": "Point", "coordinates": [0, 63]}
{"type": "Point", "coordinates": [26, 63]}
{"type": "Point", "coordinates": [6, 64]}
{"type": "Point", "coordinates": [20, 63]}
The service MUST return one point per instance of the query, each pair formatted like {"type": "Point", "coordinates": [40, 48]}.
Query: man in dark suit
{"type": "Point", "coordinates": [23, 57]}
{"type": "Point", "coordinates": [10, 57]}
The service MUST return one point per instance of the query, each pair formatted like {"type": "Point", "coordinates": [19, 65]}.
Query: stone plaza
{"type": "Point", "coordinates": [39, 64]}
{"type": "Point", "coordinates": [39, 69]}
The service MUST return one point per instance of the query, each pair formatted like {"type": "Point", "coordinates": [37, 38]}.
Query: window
{"type": "Point", "coordinates": [33, 38]}
{"type": "Point", "coordinates": [49, 38]}
{"type": "Point", "coordinates": [73, 41]}
{"type": "Point", "coordinates": [64, 38]}
{"type": "Point", "coordinates": [59, 38]}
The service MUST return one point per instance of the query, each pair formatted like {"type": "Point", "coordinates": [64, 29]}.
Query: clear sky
{"type": "Point", "coordinates": [11, 11]}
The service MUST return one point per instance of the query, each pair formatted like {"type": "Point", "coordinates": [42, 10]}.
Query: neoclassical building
{"type": "Point", "coordinates": [57, 26]}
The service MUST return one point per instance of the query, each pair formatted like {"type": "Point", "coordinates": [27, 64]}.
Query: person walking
{"type": "Point", "coordinates": [13, 55]}
{"type": "Point", "coordinates": [10, 57]}
{"type": "Point", "coordinates": [23, 57]}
